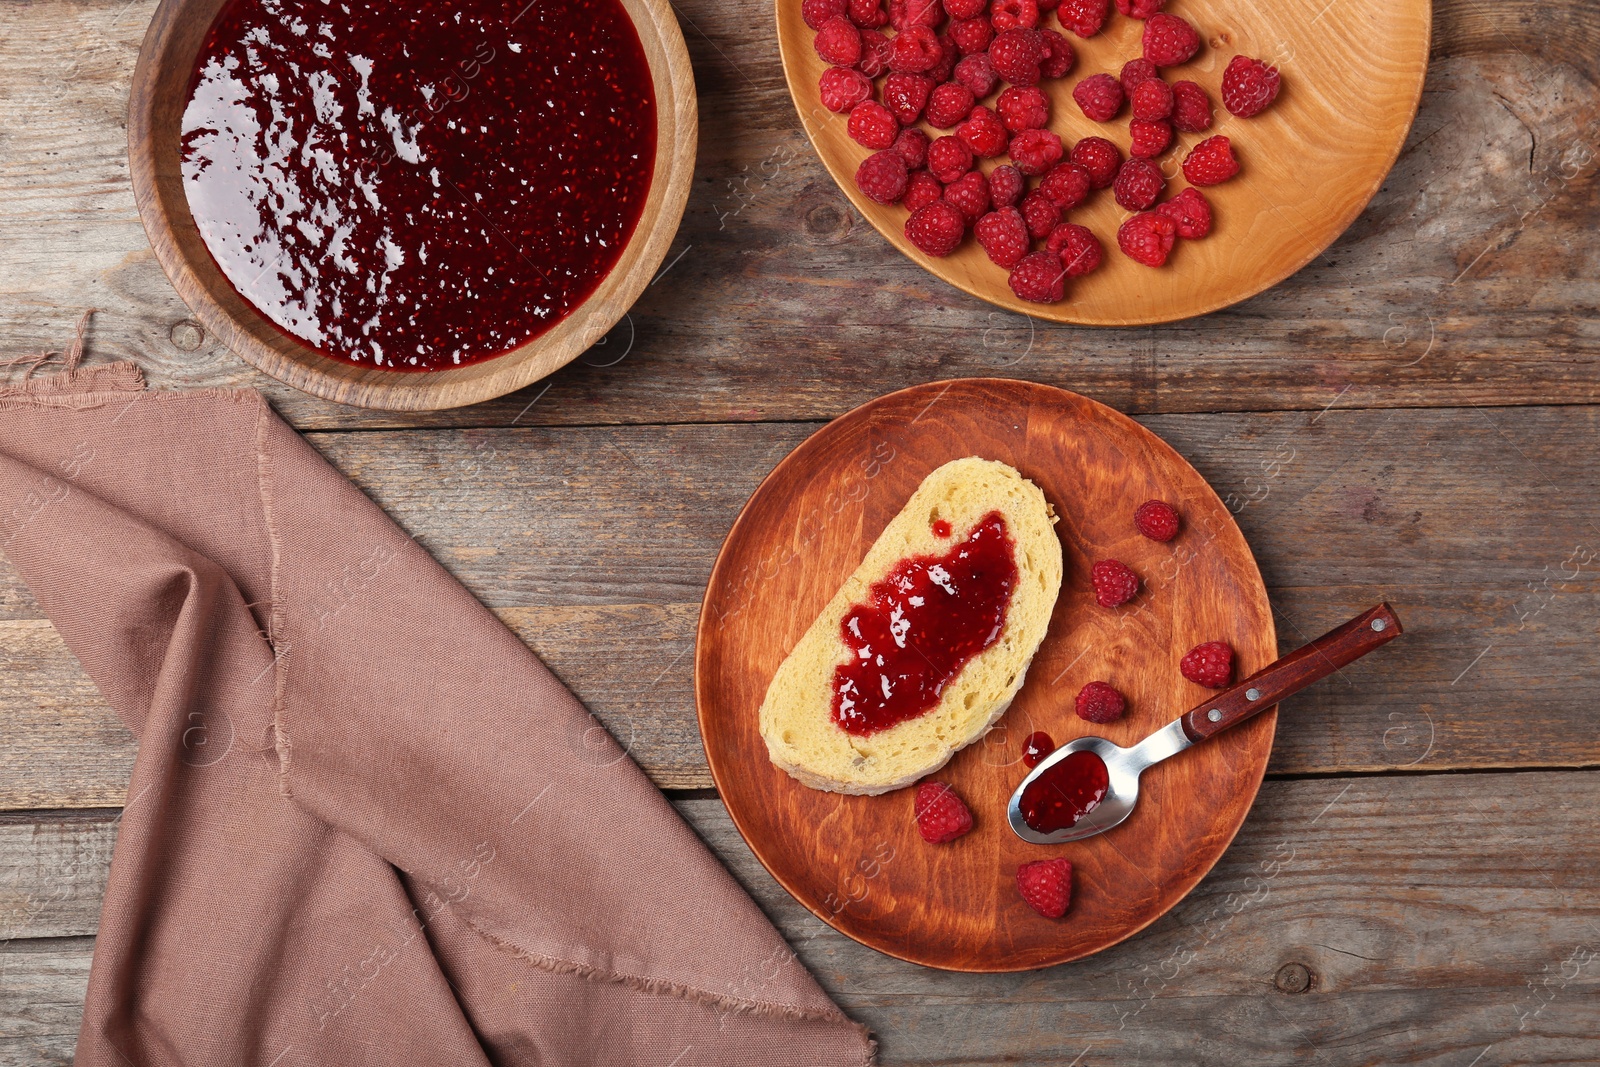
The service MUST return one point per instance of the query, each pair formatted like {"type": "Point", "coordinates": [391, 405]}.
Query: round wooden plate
{"type": "Point", "coordinates": [858, 862]}
{"type": "Point", "coordinates": [1352, 78]}
{"type": "Point", "coordinates": [159, 94]}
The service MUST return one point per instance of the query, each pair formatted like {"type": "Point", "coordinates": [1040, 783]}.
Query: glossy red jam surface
{"type": "Point", "coordinates": [941, 528]}
{"type": "Point", "coordinates": [921, 624]}
{"type": "Point", "coordinates": [1065, 793]}
{"type": "Point", "coordinates": [1038, 745]}
{"type": "Point", "coordinates": [418, 185]}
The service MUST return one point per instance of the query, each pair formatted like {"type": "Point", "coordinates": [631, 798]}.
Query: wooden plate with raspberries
{"type": "Point", "coordinates": [908, 872]}
{"type": "Point", "coordinates": [1108, 164]}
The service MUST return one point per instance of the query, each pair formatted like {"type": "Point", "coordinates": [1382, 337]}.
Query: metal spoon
{"type": "Point", "coordinates": [1246, 699]}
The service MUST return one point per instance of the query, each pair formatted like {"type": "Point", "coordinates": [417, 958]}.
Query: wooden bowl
{"type": "Point", "coordinates": [858, 862]}
{"type": "Point", "coordinates": [155, 112]}
{"type": "Point", "coordinates": [1352, 79]}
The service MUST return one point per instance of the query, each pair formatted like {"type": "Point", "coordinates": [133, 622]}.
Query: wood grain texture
{"type": "Point", "coordinates": [595, 545]}
{"type": "Point", "coordinates": [806, 529]}
{"type": "Point", "coordinates": [1352, 79]}
{"type": "Point", "coordinates": [1468, 280]}
{"type": "Point", "coordinates": [157, 98]}
{"type": "Point", "coordinates": [1416, 946]}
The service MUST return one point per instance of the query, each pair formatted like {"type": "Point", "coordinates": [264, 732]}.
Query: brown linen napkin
{"type": "Point", "coordinates": [366, 825]}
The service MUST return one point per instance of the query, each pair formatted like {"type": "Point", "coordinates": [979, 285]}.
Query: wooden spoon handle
{"type": "Point", "coordinates": [1306, 664]}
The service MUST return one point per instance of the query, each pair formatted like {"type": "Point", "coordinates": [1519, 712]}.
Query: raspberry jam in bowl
{"type": "Point", "coordinates": [411, 205]}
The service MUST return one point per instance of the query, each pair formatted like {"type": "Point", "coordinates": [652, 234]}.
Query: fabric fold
{"type": "Point", "coordinates": [366, 824]}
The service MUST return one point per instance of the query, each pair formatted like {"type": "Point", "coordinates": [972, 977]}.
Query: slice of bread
{"type": "Point", "coordinates": [797, 715]}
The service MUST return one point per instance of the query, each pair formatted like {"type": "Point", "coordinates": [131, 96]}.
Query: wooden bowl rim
{"type": "Point", "coordinates": [702, 685]}
{"type": "Point", "coordinates": [263, 344]}
{"type": "Point", "coordinates": [1061, 312]}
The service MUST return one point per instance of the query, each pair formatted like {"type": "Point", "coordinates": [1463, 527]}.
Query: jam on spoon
{"type": "Point", "coordinates": [921, 624]}
{"type": "Point", "coordinates": [1065, 793]}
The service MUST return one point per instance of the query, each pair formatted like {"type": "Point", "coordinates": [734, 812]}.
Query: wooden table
{"type": "Point", "coordinates": [1412, 418]}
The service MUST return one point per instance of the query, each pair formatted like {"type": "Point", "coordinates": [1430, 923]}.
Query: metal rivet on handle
{"type": "Point", "coordinates": [1215, 714]}
{"type": "Point", "coordinates": [1380, 625]}
{"type": "Point", "coordinates": [1252, 694]}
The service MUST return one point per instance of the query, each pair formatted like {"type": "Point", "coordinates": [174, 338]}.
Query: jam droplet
{"type": "Point", "coordinates": [920, 625]}
{"type": "Point", "coordinates": [1038, 745]}
{"type": "Point", "coordinates": [424, 185]}
{"type": "Point", "coordinates": [941, 528]}
{"type": "Point", "coordinates": [1065, 793]}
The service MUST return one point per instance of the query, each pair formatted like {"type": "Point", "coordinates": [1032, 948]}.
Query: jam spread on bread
{"type": "Point", "coordinates": [920, 626]}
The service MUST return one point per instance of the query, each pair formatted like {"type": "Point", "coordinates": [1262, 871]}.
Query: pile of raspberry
{"type": "Point", "coordinates": [946, 57]}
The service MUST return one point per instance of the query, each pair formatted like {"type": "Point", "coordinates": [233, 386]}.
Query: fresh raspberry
{"type": "Point", "coordinates": [1169, 40]}
{"type": "Point", "coordinates": [948, 105]}
{"type": "Point", "coordinates": [868, 14]}
{"type": "Point", "coordinates": [906, 95]}
{"type": "Point", "coordinates": [1038, 277]}
{"type": "Point", "coordinates": [936, 228]}
{"type": "Point", "coordinates": [872, 125]}
{"type": "Point", "coordinates": [1016, 55]}
{"type": "Point", "coordinates": [1036, 151]}
{"type": "Point", "coordinates": [1100, 158]}
{"type": "Point", "coordinates": [970, 194]}
{"type": "Point", "coordinates": [882, 176]}
{"type": "Point", "coordinates": [1080, 250]}
{"type": "Point", "coordinates": [904, 14]}
{"type": "Point", "coordinates": [1113, 582]}
{"type": "Point", "coordinates": [1059, 58]}
{"type": "Point", "coordinates": [984, 133]}
{"type": "Point", "coordinates": [1100, 97]}
{"type": "Point", "coordinates": [965, 9]}
{"type": "Point", "coordinates": [839, 42]}
{"type": "Point", "coordinates": [1151, 100]}
{"type": "Point", "coordinates": [1191, 107]}
{"type": "Point", "coordinates": [1099, 703]}
{"type": "Point", "coordinates": [913, 145]}
{"type": "Point", "coordinates": [1140, 9]}
{"type": "Point", "coordinates": [922, 189]}
{"type": "Point", "coordinates": [1147, 237]}
{"type": "Point", "coordinates": [1135, 72]}
{"type": "Point", "coordinates": [1210, 665]}
{"type": "Point", "coordinates": [1067, 184]}
{"type": "Point", "coordinates": [1083, 17]}
{"type": "Point", "coordinates": [1139, 184]}
{"type": "Point", "coordinates": [816, 12]}
{"type": "Point", "coordinates": [977, 74]}
{"type": "Point", "coordinates": [1004, 236]}
{"type": "Point", "coordinates": [1248, 86]}
{"type": "Point", "coordinates": [842, 89]}
{"type": "Point", "coordinates": [1023, 108]}
{"type": "Point", "coordinates": [1040, 213]}
{"type": "Point", "coordinates": [916, 50]}
{"type": "Point", "coordinates": [1210, 162]}
{"type": "Point", "coordinates": [972, 36]}
{"type": "Point", "coordinates": [875, 52]}
{"type": "Point", "coordinates": [942, 816]}
{"type": "Point", "coordinates": [1149, 139]}
{"type": "Point", "coordinates": [1013, 14]}
{"type": "Point", "coordinates": [1046, 886]}
{"type": "Point", "coordinates": [1191, 213]}
{"type": "Point", "coordinates": [1005, 185]}
{"type": "Point", "coordinates": [1156, 519]}
{"type": "Point", "coordinates": [949, 158]}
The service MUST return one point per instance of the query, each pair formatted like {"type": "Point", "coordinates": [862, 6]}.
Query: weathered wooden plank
{"type": "Point", "coordinates": [595, 544]}
{"type": "Point", "coordinates": [1354, 921]}
{"type": "Point", "coordinates": [1469, 279]}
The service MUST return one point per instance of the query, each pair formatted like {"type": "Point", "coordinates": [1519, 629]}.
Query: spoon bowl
{"type": "Point", "coordinates": [1123, 768]}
